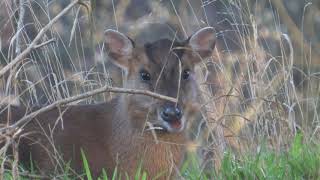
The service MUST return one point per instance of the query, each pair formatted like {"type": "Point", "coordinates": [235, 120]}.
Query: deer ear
{"type": "Point", "coordinates": [119, 48]}
{"type": "Point", "coordinates": [203, 42]}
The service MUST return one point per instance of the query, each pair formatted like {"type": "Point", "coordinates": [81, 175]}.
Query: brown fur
{"type": "Point", "coordinates": [113, 133]}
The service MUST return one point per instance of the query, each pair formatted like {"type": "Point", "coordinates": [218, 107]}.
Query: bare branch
{"type": "Point", "coordinates": [20, 25]}
{"type": "Point", "coordinates": [44, 43]}
{"type": "Point", "coordinates": [20, 57]}
{"type": "Point", "coordinates": [28, 117]}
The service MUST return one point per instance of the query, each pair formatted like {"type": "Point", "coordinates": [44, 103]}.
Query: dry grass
{"type": "Point", "coordinates": [261, 83]}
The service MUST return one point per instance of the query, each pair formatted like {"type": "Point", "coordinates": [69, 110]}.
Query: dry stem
{"type": "Point", "coordinates": [33, 44]}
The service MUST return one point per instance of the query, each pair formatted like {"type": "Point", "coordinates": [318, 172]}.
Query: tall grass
{"type": "Point", "coordinates": [300, 161]}
{"type": "Point", "coordinates": [271, 82]}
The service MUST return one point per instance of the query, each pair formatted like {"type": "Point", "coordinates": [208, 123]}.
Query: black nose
{"type": "Point", "coordinates": [171, 113]}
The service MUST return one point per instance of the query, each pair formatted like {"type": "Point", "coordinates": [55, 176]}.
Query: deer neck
{"type": "Point", "coordinates": [131, 144]}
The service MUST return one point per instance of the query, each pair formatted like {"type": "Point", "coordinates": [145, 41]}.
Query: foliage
{"type": "Point", "coordinates": [301, 161]}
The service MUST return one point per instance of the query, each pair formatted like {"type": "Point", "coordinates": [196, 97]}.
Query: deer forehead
{"type": "Point", "coordinates": [162, 55]}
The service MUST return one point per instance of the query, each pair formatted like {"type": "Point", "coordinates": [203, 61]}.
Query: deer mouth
{"type": "Point", "coordinates": [173, 126]}
{"type": "Point", "coordinates": [159, 124]}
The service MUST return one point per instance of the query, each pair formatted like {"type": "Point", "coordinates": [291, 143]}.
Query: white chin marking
{"type": "Point", "coordinates": [154, 128]}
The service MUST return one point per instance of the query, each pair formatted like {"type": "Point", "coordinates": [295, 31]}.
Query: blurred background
{"type": "Point", "coordinates": [262, 82]}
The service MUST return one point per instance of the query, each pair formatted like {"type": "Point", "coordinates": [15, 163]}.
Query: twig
{"type": "Point", "coordinates": [28, 117]}
{"type": "Point", "coordinates": [73, 30]}
{"type": "Point", "coordinates": [20, 25]}
{"type": "Point", "coordinates": [44, 43]}
{"type": "Point", "coordinates": [21, 56]}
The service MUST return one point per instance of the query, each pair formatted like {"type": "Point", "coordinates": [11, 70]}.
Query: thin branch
{"type": "Point", "coordinates": [20, 25]}
{"type": "Point", "coordinates": [21, 56]}
{"type": "Point", "coordinates": [28, 117]}
{"type": "Point", "coordinates": [73, 30]}
{"type": "Point", "coordinates": [44, 43]}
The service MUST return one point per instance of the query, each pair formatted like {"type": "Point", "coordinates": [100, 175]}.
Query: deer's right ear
{"type": "Point", "coordinates": [119, 48]}
{"type": "Point", "coordinates": [203, 42]}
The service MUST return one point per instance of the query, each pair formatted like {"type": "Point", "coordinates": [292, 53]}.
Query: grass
{"type": "Point", "coordinates": [139, 175]}
{"type": "Point", "coordinates": [86, 166]}
{"type": "Point", "coordinates": [300, 161]}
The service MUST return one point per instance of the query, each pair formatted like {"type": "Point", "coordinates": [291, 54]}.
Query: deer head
{"type": "Point", "coordinates": [166, 67]}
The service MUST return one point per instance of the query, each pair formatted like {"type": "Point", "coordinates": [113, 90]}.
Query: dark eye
{"type": "Point", "coordinates": [186, 74]}
{"type": "Point", "coordinates": [145, 76]}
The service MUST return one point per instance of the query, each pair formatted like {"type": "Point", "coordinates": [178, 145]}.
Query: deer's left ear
{"type": "Point", "coordinates": [203, 42]}
{"type": "Point", "coordinates": [119, 48]}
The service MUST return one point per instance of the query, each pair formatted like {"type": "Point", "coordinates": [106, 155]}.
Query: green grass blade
{"type": "Point", "coordinates": [104, 175]}
{"type": "Point", "coordinates": [86, 166]}
{"type": "Point", "coordinates": [138, 173]}
{"type": "Point", "coordinates": [144, 176]}
{"type": "Point", "coordinates": [115, 172]}
{"type": "Point", "coordinates": [66, 170]}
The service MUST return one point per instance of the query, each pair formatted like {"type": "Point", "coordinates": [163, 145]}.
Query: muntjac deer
{"type": "Point", "coordinates": [121, 133]}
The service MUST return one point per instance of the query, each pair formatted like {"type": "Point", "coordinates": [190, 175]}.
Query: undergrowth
{"type": "Point", "coordinates": [300, 161]}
